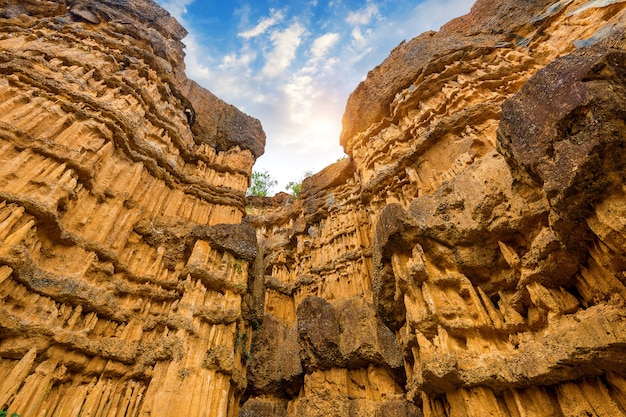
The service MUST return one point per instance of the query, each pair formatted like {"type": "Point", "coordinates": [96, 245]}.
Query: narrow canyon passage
{"type": "Point", "coordinates": [466, 259]}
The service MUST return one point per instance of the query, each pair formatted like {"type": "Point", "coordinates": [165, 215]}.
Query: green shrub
{"type": "Point", "coordinates": [262, 182]}
{"type": "Point", "coordinates": [296, 186]}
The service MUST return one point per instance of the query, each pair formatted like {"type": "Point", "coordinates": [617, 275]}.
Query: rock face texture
{"type": "Point", "coordinates": [467, 259]}
{"type": "Point", "coordinates": [123, 259]}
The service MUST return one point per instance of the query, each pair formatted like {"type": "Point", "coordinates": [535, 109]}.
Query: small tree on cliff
{"type": "Point", "coordinates": [296, 186]}
{"type": "Point", "coordinates": [262, 182]}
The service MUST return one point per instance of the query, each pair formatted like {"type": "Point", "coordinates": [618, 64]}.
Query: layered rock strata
{"type": "Point", "coordinates": [468, 258]}
{"type": "Point", "coordinates": [123, 260]}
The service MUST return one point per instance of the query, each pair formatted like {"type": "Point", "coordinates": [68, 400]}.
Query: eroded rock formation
{"type": "Point", "coordinates": [123, 257]}
{"type": "Point", "coordinates": [466, 259]}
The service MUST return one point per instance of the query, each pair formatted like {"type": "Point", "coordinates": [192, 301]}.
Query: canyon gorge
{"type": "Point", "coordinates": [467, 258]}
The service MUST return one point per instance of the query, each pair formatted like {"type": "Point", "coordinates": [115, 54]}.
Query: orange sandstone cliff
{"type": "Point", "coordinates": [122, 190]}
{"type": "Point", "coordinates": [467, 259]}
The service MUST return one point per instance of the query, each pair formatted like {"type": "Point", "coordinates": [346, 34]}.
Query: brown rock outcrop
{"type": "Point", "coordinates": [477, 220]}
{"type": "Point", "coordinates": [221, 125]}
{"type": "Point", "coordinates": [124, 263]}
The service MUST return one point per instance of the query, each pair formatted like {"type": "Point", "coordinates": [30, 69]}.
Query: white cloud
{"type": "Point", "coordinates": [276, 16]}
{"type": "Point", "coordinates": [358, 37]}
{"type": "Point", "coordinates": [299, 93]}
{"type": "Point", "coordinates": [323, 44]}
{"type": "Point", "coordinates": [285, 44]}
{"type": "Point", "coordinates": [330, 64]}
{"type": "Point", "coordinates": [239, 62]}
{"type": "Point", "coordinates": [363, 16]}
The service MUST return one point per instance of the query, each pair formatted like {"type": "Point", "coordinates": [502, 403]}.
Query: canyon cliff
{"type": "Point", "coordinates": [124, 257]}
{"type": "Point", "coordinates": [467, 258]}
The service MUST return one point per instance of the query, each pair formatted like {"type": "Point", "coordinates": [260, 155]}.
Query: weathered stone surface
{"type": "Point", "coordinates": [566, 130]}
{"type": "Point", "coordinates": [499, 275]}
{"type": "Point", "coordinates": [123, 260]}
{"type": "Point", "coordinates": [221, 125]}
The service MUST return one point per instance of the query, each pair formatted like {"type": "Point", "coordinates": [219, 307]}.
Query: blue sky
{"type": "Point", "coordinates": [293, 64]}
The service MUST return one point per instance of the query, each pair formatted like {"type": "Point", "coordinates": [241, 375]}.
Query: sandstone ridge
{"type": "Point", "coordinates": [123, 258]}
{"type": "Point", "coordinates": [477, 220]}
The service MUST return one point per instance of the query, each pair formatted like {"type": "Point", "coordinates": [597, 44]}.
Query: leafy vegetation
{"type": "Point", "coordinates": [4, 413]}
{"type": "Point", "coordinates": [262, 183]}
{"type": "Point", "coordinates": [296, 186]}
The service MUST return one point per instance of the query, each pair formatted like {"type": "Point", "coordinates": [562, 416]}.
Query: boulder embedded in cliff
{"type": "Point", "coordinates": [262, 407]}
{"type": "Point", "coordinates": [330, 177]}
{"type": "Point", "coordinates": [319, 334]}
{"type": "Point", "coordinates": [395, 231]}
{"type": "Point", "coordinates": [565, 128]}
{"type": "Point", "coordinates": [238, 239]}
{"type": "Point", "coordinates": [275, 363]}
{"type": "Point", "coordinates": [365, 340]}
{"type": "Point", "coordinates": [221, 125]}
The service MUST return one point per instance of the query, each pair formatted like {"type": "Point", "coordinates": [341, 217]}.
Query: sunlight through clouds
{"type": "Point", "coordinates": [292, 65]}
{"type": "Point", "coordinates": [300, 93]}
